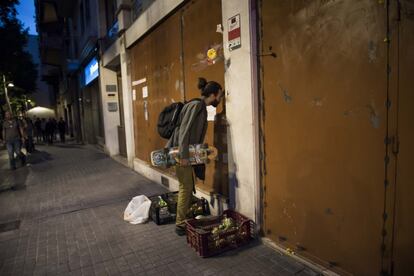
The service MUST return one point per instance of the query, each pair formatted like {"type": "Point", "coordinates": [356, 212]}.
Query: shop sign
{"type": "Point", "coordinates": [91, 71]}
{"type": "Point", "coordinates": [234, 32]}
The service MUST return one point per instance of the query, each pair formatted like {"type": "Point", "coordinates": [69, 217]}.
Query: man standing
{"type": "Point", "coordinates": [62, 129]}
{"type": "Point", "coordinates": [38, 129]}
{"type": "Point", "coordinates": [50, 131]}
{"type": "Point", "coordinates": [43, 127]}
{"type": "Point", "coordinates": [29, 131]}
{"type": "Point", "coordinates": [13, 136]}
{"type": "Point", "coordinates": [192, 130]}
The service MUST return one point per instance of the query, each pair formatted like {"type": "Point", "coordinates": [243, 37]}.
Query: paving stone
{"type": "Point", "coordinates": [71, 224]}
{"type": "Point", "coordinates": [309, 272]}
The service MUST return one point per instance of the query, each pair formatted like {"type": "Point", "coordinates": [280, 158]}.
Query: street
{"type": "Point", "coordinates": [289, 121]}
{"type": "Point", "coordinates": [65, 217]}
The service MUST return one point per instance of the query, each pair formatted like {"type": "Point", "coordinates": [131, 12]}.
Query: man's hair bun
{"type": "Point", "coordinates": [202, 82]}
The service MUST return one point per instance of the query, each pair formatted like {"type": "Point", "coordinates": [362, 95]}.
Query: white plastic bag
{"type": "Point", "coordinates": [137, 210]}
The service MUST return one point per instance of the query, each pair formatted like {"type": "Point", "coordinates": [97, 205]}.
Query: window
{"type": "Point", "coordinates": [82, 18]}
{"type": "Point", "coordinates": [87, 12]}
{"type": "Point", "coordinates": [110, 10]}
{"type": "Point", "coordinates": [139, 6]}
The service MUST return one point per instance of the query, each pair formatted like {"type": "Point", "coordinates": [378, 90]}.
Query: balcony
{"type": "Point", "coordinates": [139, 6]}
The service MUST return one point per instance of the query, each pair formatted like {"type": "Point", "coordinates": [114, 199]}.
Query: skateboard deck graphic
{"type": "Point", "coordinates": [199, 154]}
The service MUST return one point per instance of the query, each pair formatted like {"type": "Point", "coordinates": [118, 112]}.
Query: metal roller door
{"type": "Point", "coordinates": [401, 147]}
{"type": "Point", "coordinates": [170, 59]}
{"type": "Point", "coordinates": [199, 21]}
{"type": "Point", "coordinates": [324, 121]}
{"type": "Point", "coordinates": [156, 70]}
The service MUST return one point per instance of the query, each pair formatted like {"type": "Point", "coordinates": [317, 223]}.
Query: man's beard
{"type": "Point", "coordinates": [215, 103]}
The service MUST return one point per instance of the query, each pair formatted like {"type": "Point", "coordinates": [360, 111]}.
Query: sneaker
{"type": "Point", "coordinates": [180, 231]}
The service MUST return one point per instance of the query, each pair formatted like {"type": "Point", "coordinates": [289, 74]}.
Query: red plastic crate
{"type": "Point", "coordinates": [200, 238]}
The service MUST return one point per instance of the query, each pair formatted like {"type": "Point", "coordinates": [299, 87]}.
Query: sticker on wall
{"type": "Point", "coordinates": [138, 82]}
{"type": "Point", "coordinates": [234, 32]}
{"type": "Point", "coordinates": [210, 56]}
{"type": "Point", "coordinates": [146, 110]}
{"type": "Point", "coordinates": [211, 113]}
{"type": "Point", "coordinates": [134, 94]}
{"type": "Point", "coordinates": [219, 29]}
{"type": "Point", "coordinates": [145, 92]}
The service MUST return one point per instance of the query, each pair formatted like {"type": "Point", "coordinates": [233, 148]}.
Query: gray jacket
{"type": "Point", "coordinates": [192, 127]}
{"type": "Point", "coordinates": [11, 130]}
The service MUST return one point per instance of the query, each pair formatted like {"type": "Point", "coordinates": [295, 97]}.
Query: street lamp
{"type": "Point", "coordinates": [9, 84]}
{"type": "Point", "coordinates": [26, 102]}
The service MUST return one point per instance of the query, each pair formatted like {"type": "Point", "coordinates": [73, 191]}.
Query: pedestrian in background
{"type": "Point", "coordinates": [1, 130]}
{"type": "Point", "coordinates": [38, 130]}
{"type": "Point", "coordinates": [23, 127]}
{"type": "Point", "coordinates": [50, 131]}
{"type": "Point", "coordinates": [44, 133]}
{"type": "Point", "coordinates": [55, 129]}
{"type": "Point", "coordinates": [13, 136]}
{"type": "Point", "coordinates": [62, 129]}
{"type": "Point", "coordinates": [29, 143]}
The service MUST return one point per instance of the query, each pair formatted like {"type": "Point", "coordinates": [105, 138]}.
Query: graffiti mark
{"type": "Point", "coordinates": [372, 52]}
{"type": "Point", "coordinates": [347, 113]}
{"type": "Point", "coordinates": [227, 64]}
{"type": "Point", "coordinates": [326, 2]}
{"type": "Point", "coordinates": [157, 74]}
{"type": "Point", "coordinates": [373, 116]}
{"type": "Point", "coordinates": [182, 87]}
{"type": "Point", "coordinates": [286, 96]}
{"type": "Point", "coordinates": [200, 56]}
{"type": "Point", "coordinates": [177, 85]}
{"type": "Point", "coordinates": [317, 102]}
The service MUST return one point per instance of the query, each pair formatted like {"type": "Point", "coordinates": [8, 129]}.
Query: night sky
{"type": "Point", "coordinates": [26, 13]}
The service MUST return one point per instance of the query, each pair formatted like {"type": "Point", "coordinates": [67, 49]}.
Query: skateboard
{"type": "Point", "coordinates": [168, 157]}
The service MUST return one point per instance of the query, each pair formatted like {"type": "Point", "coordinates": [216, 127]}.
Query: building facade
{"type": "Point", "coordinates": [314, 132]}
{"type": "Point", "coordinates": [42, 96]}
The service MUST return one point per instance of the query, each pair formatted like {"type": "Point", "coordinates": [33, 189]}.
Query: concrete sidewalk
{"type": "Point", "coordinates": [66, 219]}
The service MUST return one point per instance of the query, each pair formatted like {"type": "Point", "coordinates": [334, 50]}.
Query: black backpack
{"type": "Point", "coordinates": [168, 119]}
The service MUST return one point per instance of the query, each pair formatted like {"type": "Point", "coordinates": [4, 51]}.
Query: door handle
{"type": "Point", "coordinates": [395, 145]}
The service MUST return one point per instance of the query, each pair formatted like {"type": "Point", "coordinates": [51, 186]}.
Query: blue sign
{"type": "Point", "coordinates": [113, 31]}
{"type": "Point", "coordinates": [91, 71]}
